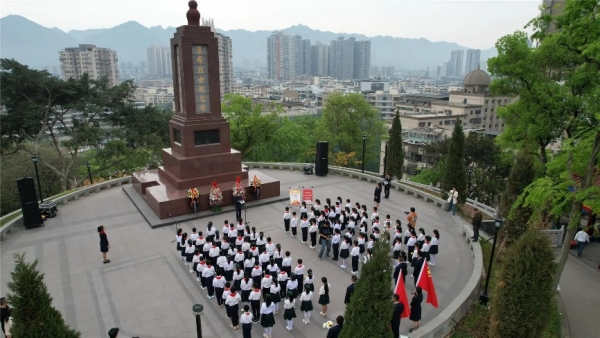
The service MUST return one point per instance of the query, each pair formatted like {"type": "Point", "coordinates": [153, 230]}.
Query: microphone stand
{"type": "Point", "coordinates": [176, 226]}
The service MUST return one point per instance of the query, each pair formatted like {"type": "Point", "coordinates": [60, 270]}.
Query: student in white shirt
{"type": "Point", "coordinates": [232, 301]}
{"type": "Point", "coordinates": [294, 224]}
{"type": "Point", "coordinates": [265, 284]}
{"type": "Point", "coordinates": [261, 242]}
{"type": "Point", "coordinates": [425, 248]}
{"type": "Point", "coordinates": [194, 235]}
{"type": "Point", "coordinates": [213, 254]}
{"type": "Point", "coordinates": [433, 249]}
{"type": "Point", "coordinates": [286, 219]}
{"type": "Point", "coordinates": [210, 232]}
{"type": "Point", "coordinates": [257, 273]}
{"type": "Point", "coordinates": [246, 288]}
{"type": "Point", "coordinates": [254, 298]}
{"type": "Point", "coordinates": [238, 275]}
{"type": "Point", "coordinates": [267, 319]}
{"type": "Point", "coordinates": [324, 296]}
{"type": "Point", "coordinates": [245, 246]}
{"type": "Point", "coordinates": [412, 241]}
{"type": "Point", "coordinates": [303, 210]}
{"type": "Point", "coordinates": [313, 234]}
{"type": "Point", "coordinates": [282, 278]}
{"type": "Point", "coordinates": [309, 281]}
{"type": "Point", "coordinates": [299, 272]}
{"type": "Point", "coordinates": [273, 268]}
{"type": "Point", "coordinates": [199, 268]}
{"type": "Point", "coordinates": [286, 263]}
{"type": "Point", "coordinates": [374, 214]}
{"type": "Point", "coordinates": [209, 274]}
{"type": "Point", "coordinates": [275, 293]}
{"type": "Point", "coordinates": [348, 204]}
{"type": "Point", "coordinates": [355, 253]}
{"type": "Point", "coordinates": [277, 255]}
{"type": "Point", "coordinates": [292, 286]}
{"type": "Point", "coordinates": [239, 256]}
{"type": "Point", "coordinates": [226, 228]}
{"type": "Point", "coordinates": [289, 312]}
{"type": "Point", "coordinates": [304, 228]}
{"type": "Point", "coordinates": [270, 247]}
{"type": "Point", "coordinates": [195, 260]}
{"type": "Point", "coordinates": [200, 241]}
{"type": "Point", "coordinates": [344, 251]}
{"type": "Point", "coordinates": [335, 242]}
{"type": "Point", "coordinates": [264, 259]}
{"type": "Point", "coordinates": [306, 305]}
{"type": "Point", "coordinates": [582, 238]}
{"type": "Point", "coordinates": [352, 224]}
{"type": "Point", "coordinates": [246, 320]}
{"type": "Point", "coordinates": [397, 248]}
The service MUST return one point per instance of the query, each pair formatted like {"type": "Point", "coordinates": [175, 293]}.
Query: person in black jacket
{"type": "Point", "coordinates": [387, 183]}
{"type": "Point", "coordinates": [334, 332]}
{"type": "Point", "coordinates": [377, 195]}
{"type": "Point", "coordinates": [418, 265]}
{"type": "Point", "coordinates": [401, 267]}
{"type": "Point", "coordinates": [350, 290]}
{"type": "Point", "coordinates": [415, 308]}
{"type": "Point", "coordinates": [395, 322]}
{"type": "Point", "coordinates": [103, 243]}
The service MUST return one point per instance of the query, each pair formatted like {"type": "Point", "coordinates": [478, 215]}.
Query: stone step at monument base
{"type": "Point", "coordinates": [164, 198]}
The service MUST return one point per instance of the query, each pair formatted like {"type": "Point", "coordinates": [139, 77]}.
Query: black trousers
{"type": "Point", "coordinates": [475, 232]}
{"type": "Point", "coordinates": [313, 238]}
{"type": "Point", "coordinates": [386, 191]}
{"type": "Point", "coordinates": [304, 234]}
{"type": "Point", "coordinates": [336, 251]}
{"type": "Point", "coordinates": [238, 211]}
{"type": "Point", "coordinates": [411, 249]}
{"type": "Point", "coordinates": [247, 330]}
{"type": "Point", "coordinates": [286, 224]}
{"type": "Point", "coordinates": [219, 295]}
{"type": "Point", "coordinates": [300, 279]}
{"type": "Point", "coordinates": [202, 281]}
{"type": "Point", "coordinates": [354, 263]}
{"type": "Point", "coordinates": [255, 304]}
{"type": "Point", "coordinates": [234, 313]}
{"type": "Point", "coordinates": [282, 292]}
{"type": "Point", "coordinates": [209, 286]}
{"type": "Point", "coordinates": [294, 231]}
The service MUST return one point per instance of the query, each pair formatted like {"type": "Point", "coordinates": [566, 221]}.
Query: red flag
{"type": "Point", "coordinates": [401, 291]}
{"type": "Point", "coordinates": [426, 283]}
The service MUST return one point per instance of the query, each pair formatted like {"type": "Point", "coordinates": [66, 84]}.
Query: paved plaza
{"type": "Point", "coordinates": [148, 292]}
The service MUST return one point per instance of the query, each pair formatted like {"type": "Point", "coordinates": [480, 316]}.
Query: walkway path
{"type": "Point", "coordinates": [146, 290]}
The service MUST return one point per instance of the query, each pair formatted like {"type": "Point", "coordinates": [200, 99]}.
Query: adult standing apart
{"type": "Point", "coordinates": [377, 195]}
{"type": "Point", "coordinates": [324, 238]}
{"type": "Point", "coordinates": [398, 309]}
{"type": "Point", "coordinates": [412, 217]}
{"type": "Point", "coordinates": [477, 218]}
{"type": "Point", "coordinates": [4, 313]}
{"type": "Point", "coordinates": [582, 238]}
{"type": "Point", "coordinates": [103, 243]}
{"type": "Point", "coordinates": [387, 183]}
{"type": "Point", "coordinates": [415, 308]}
{"type": "Point", "coordinates": [452, 200]}
{"type": "Point", "coordinates": [350, 290]}
{"type": "Point", "coordinates": [334, 331]}
{"type": "Point", "coordinates": [418, 265]}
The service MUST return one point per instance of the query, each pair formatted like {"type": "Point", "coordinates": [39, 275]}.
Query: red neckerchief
{"type": "Point", "coordinates": [232, 294]}
{"type": "Point", "coordinates": [299, 265]}
{"type": "Point", "coordinates": [257, 267]}
{"type": "Point", "coordinates": [218, 277]}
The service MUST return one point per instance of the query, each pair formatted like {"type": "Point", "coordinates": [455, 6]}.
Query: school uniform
{"type": "Point", "coordinates": [261, 242]}
{"type": "Point", "coordinates": [210, 234]}
{"type": "Point", "coordinates": [232, 302]}
{"type": "Point", "coordinates": [407, 236]}
{"type": "Point", "coordinates": [246, 246]}
{"type": "Point", "coordinates": [433, 250]}
{"type": "Point", "coordinates": [256, 274]}
{"type": "Point", "coordinates": [282, 279]}
{"type": "Point", "coordinates": [286, 221]}
{"type": "Point", "coordinates": [275, 292]}
{"type": "Point", "coordinates": [224, 296]}
{"type": "Point", "coordinates": [306, 302]}
{"type": "Point", "coordinates": [294, 225]}
{"type": "Point", "coordinates": [273, 271]}
{"type": "Point", "coordinates": [412, 241]}
{"type": "Point", "coordinates": [248, 265]}
{"type": "Point", "coordinates": [213, 254]}
{"type": "Point", "coordinates": [289, 311]}
{"type": "Point", "coordinates": [267, 319]}
{"type": "Point", "coordinates": [209, 274]}
{"type": "Point", "coordinates": [309, 283]}
{"type": "Point", "coordinates": [355, 253]}
{"type": "Point", "coordinates": [195, 262]}
{"type": "Point", "coordinates": [206, 249]}
{"type": "Point", "coordinates": [240, 230]}
{"type": "Point", "coordinates": [199, 277]}
{"type": "Point", "coordinates": [218, 284]}
{"type": "Point", "coordinates": [397, 250]}
{"type": "Point", "coordinates": [425, 250]}
{"type": "Point", "coordinates": [246, 287]}
{"type": "Point", "coordinates": [313, 235]}
{"type": "Point", "coordinates": [292, 288]}
{"type": "Point", "coordinates": [239, 241]}
{"type": "Point", "coordinates": [286, 265]}
{"type": "Point", "coordinates": [200, 241]}
{"type": "Point", "coordinates": [254, 298]}
{"type": "Point", "coordinates": [253, 238]}
{"type": "Point", "coordinates": [221, 261]}
{"type": "Point", "coordinates": [228, 270]}
{"type": "Point", "coordinates": [335, 242]}
{"type": "Point", "coordinates": [264, 259]}
{"type": "Point", "coordinates": [183, 248]}
{"type": "Point", "coordinates": [270, 247]}
{"type": "Point", "coordinates": [299, 272]}
{"type": "Point", "coordinates": [304, 228]}
{"type": "Point", "coordinates": [246, 320]}
{"type": "Point", "coordinates": [238, 275]}
{"type": "Point", "coordinates": [178, 240]}
{"type": "Point", "coordinates": [361, 244]}
{"type": "Point", "coordinates": [239, 257]}
{"type": "Point", "coordinates": [324, 297]}
{"type": "Point", "coordinates": [265, 284]}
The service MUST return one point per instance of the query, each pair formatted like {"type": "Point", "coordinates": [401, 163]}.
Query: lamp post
{"type": "Point", "coordinates": [385, 160]}
{"type": "Point", "coordinates": [34, 159]}
{"type": "Point", "coordinates": [484, 296]}
{"type": "Point", "coordinates": [255, 154]}
{"type": "Point", "coordinates": [197, 309]}
{"type": "Point", "coordinates": [87, 164]}
{"type": "Point", "coordinates": [363, 159]}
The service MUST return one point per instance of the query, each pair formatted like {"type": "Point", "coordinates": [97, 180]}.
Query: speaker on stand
{"type": "Point", "coordinates": [321, 158]}
{"type": "Point", "coordinates": [29, 203]}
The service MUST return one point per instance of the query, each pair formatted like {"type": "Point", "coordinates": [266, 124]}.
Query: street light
{"type": "Point", "coordinates": [255, 154]}
{"type": "Point", "coordinates": [363, 160]}
{"type": "Point", "coordinates": [497, 225]}
{"type": "Point", "coordinates": [197, 310]}
{"type": "Point", "coordinates": [385, 160]}
{"type": "Point", "coordinates": [34, 159]}
{"type": "Point", "coordinates": [87, 164]}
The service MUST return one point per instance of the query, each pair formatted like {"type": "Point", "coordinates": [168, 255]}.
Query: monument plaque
{"type": "Point", "coordinates": [200, 150]}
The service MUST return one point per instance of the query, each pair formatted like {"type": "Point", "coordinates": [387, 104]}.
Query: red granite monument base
{"type": "Point", "coordinates": [165, 198]}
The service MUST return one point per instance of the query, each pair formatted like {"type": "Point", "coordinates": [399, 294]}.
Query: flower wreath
{"type": "Point", "coordinates": [238, 188]}
{"type": "Point", "coordinates": [256, 182]}
{"type": "Point", "coordinates": [216, 196]}
{"type": "Point", "coordinates": [193, 193]}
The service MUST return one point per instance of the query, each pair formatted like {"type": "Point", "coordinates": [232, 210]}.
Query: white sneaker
{"type": "Point", "coordinates": [198, 279]}
{"type": "Point", "coordinates": [343, 266]}
{"type": "Point", "coordinates": [191, 271]}
{"type": "Point", "coordinates": [288, 328]}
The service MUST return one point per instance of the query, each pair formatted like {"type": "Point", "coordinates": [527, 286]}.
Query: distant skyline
{"type": "Point", "coordinates": [471, 23]}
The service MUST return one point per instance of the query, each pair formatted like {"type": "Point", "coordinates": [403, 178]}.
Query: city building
{"type": "Point", "coordinates": [362, 60]}
{"type": "Point", "coordinates": [303, 56]}
{"type": "Point", "coordinates": [320, 59]}
{"type": "Point", "coordinates": [342, 58]}
{"type": "Point", "coordinates": [225, 58]}
{"type": "Point", "coordinates": [281, 56]}
{"type": "Point", "coordinates": [159, 62]}
{"type": "Point", "coordinates": [96, 62]}
{"type": "Point", "coordinates": [473, 60]}
{"type": "Point", "coordinates": [455, 65]}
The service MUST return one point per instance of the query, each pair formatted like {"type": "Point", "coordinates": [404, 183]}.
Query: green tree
{"type": "Point", "coordinates": [395, 154]}
{"type": "Point", "coordinates": [346, 118]}
{"type": "Point", "coordinates": [290, 142]}
{"type": "Point", "coordinates": [522, 174]}
{"type": "Point", "coordinates": [455, 171]}
{"type": "Point", "coordinates": [69, 114]}
{"type": "Point", "coordinates": [430, 176]}
{"type": "Point", "coordinates": [33, 314]}
{"type": "Point", "coordinates": [251, 125]}
{"type": "Point", "coordinates": [524, 292]}
{"type": "Point", "coordinates": [370, 309]}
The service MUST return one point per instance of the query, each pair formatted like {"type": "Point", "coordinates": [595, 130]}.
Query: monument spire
{"type": "Point", "coordinates": [193, 15]}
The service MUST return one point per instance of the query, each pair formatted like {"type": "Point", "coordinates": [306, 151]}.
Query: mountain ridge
{"type": "Point", "coordinates": [37, 46]}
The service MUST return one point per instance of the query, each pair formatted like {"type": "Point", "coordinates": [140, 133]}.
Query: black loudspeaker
{"type": "Point", "coordinates": [321, 158]}
{"type": "Point", "coordinates": [29, 204]}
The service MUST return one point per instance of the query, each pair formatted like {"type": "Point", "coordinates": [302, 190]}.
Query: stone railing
{"type": "Point", "coordinates": [62, 200]}
{"type": "Point", "coordinates": [555, 236]}
{"type": "Point", "coordinates": [443, 323]}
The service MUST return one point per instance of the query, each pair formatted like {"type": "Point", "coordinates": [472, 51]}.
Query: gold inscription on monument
{"type": "Point", "coordinates": [201, 78]}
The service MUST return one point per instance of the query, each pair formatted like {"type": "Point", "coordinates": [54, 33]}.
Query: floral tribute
{"type": "Point", "coordinates": [328, 325]}
{"type": "Point", "coordinates": [193, 193]}
{"type": "Point", "coordinates": [215, 197]}
{"type": "Point", "coordinates": [255, 182]}
{"type": "Point", "coordinates": [238, 188]}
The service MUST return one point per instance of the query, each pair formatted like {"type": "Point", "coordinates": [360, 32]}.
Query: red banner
{"type": "Point", "coordinates": [425, 281]}
{"type": "Point", "coordinates": [401, 292]}
{"type": "Point", "coordinates": [307, 195]}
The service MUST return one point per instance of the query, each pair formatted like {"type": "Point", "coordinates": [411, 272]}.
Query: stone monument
{"type": "Point", "coordinates": [200, 152]}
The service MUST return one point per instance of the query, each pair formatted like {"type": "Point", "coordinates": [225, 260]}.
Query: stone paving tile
{"type": "Point", "coordinates": [148, 292]}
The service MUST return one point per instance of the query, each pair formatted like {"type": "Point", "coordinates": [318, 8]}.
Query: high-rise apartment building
{"type": "Point", "coordinates": [455, 65]}
{"type": "Point", "coordinates": [96, 62]}
{"type": "Point", "coordinates": [320, 59]}
{"type": "Point", "coordinates": [473, 60]}
{"type": "Point", "coordinates": [281, 56]}
{"type": "Point", "coordinates": [225, 58]}
{"type": "Point", "coordinates": [342, 58]}
{"type": "Point", "coordinates": [362, 60]}
{"type": "Point", "coordinates": [303, 56]}
{"type": "Point", "coordinates": [159, 62]}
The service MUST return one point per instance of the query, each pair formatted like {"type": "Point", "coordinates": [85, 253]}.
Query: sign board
{"type": "Point", "coordinates": [307, 196]}
{"type": "Point", "coordinates": [295, 197]}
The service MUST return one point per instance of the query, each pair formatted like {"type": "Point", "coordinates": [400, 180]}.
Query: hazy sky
{"type": "Point", "coordinates": [471, 23]}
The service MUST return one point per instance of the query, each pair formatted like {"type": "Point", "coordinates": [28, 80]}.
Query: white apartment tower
{"type": "Point", "coordinates": [362, 60]}
{"type": "Point", "coordinates": [455, 65]}
{"type": "Point", "coordinates": [225, 58]}
{"type": "Point", "coordinates": [281, 56]}
{"type": "Point", "coordinates": [96, 62]}
{"type": "Point", "coordinates": [159, 62]}
{"type": "Point", "coordinates": [473, 60]}
{"type": "Point", "coordinates": [320, 59]}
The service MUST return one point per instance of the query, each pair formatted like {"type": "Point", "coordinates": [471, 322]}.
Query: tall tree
{"type": "Point", "coordinates": [395, 154]}
{"type": "Point", "coordinates": [524, 291]}
{"type": "Point", "coordinates": [70, 115]}
{"type": "Point", "coordinates": [455, 173]}
{"type": "Point", "coordinates": [522, 174]}
{"type": "Point", "coordinates": [33, 314]}
{"type": "Point", "coordinates": [251, 125]}
{"type": "Point", "coordinates": [346, 118]}
{"type": "Point", "coordinates": [370, 308]}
